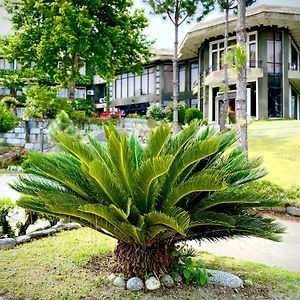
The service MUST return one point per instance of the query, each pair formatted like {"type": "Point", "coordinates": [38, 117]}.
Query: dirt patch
{"type": "Point", "coordinates": [102, 265]}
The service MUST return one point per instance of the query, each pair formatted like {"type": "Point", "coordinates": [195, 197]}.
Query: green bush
{"type": "Point", "coordinates": [85, 105]}
{"type": "Point", "coordinates": [181, 113]}
{"type": "Point", "coordinates": [8, 120]}
{"type": "Point", "coordinates": [155, 111]}
{"type": "Point", "coordinates": [9, 101]}
{"type": "Point", "coordinates": [62, 123]}
{"type": "Point", "coordinates": [193, 114]}
{"type": "Point", "coordinates": [78, 116]}
{"type": "Point", "coordinates": [5, 229]}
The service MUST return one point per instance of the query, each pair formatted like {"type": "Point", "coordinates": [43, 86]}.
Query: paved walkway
{"type": "Point", "coordinates": [285, 254]}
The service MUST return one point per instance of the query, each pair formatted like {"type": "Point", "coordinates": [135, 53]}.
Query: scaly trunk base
{"type": "Point", "coordinates": [140, 260]}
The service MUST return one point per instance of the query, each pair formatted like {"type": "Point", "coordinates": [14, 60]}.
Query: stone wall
{"type": "Point", "coordinates": [28, 134]}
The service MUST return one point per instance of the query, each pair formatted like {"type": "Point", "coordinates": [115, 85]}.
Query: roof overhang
{"type": "Point", "coordinates": [262, 15]}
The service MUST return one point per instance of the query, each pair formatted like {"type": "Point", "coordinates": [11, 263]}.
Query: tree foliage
{"type": "Point", "coordinates": [8, 120]}
{"type": "Point", "coordinates": [63, 36]}
{"type": "Point", "coordinates": [175, 189]}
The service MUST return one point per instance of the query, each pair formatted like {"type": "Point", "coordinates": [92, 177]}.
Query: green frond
{"type": "Point", "coordinates": [146, 179]}
{"type": "Point", "coordinates": [157, 141]}
{"type": "Point", "coordinates": [212, 218]}
{"type": "Point", "coordinates": [203, 182]}
{"type": "Point", "coordinates": [123, 166]}
{"type": "Point", "coordinates": [136, 150]}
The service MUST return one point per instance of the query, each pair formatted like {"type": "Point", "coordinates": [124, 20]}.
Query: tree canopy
{"type": "Point", "coordinates": [63, 36]}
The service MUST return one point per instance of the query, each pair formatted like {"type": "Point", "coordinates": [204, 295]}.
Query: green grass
{"type": "Point", "coordinates": [278, 143]}
{"type": "Point", "coordinates": [55, 268]}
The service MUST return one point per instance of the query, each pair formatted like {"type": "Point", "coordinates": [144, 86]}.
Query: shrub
{"type": "Point", "coordinates": [79, 117]}
{"type": "Point", "coordinates": [181, 113]}
{"type": "Point", "coordinates": [85, 105]}
{"type": "Point", "coordinates": [193, 114]}
{"type": "Point", "coordinates": [155, 112]}
{"type": "Point", "coordinates": [5, 229]}
{"type": "Point", "coordinates": [8, 120]}
{"type": "Point", "coordinates": [10, 102]}
{"type": "Point", "coordinates": [62, 123]}
{"type": "Point", "coordinates": [149, 198]}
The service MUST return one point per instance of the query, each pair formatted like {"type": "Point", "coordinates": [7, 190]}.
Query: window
{"type": "Point", "coordinates": [294, 58]}
{"type": "Point", "coordinates": [4, 90]}
{"type": "Point", "coordinates": [5, 65]}
{"type": "Point", "coordinates": [193, 74]}
{"type": "Point", "coordinates": [80, 92]}
{"type": "Point", "coordinates": [130, 85]}
{"type": "Point", "coordinates": [63, 93]}
{"type": "Point", "coordinates": [181, 78]}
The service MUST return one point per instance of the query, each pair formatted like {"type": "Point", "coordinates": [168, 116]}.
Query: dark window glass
{"type": "Point", "coordinates": [124, 86]}
{"type": "Point", "coordinates": [231, 42]}
{"type": "Point", "coordinates": [194, 74]}
{"type": "Point", "coordinates": [294, 59]}
{"type": "Point", "coordinates": [181, 78]}
{"type": "Point", "coordinates": [214, 61]}
{"type": "Point", "coordinates": [118, 87]}
{"type": "Point", "coordinates": [214, 46]}
{"type": "Point", "coordinates": [252, 55]}
{"type": "Point", "coordinates": [168, 78]}
{"type": "Point", "coordinates": [221, 45]}
{"type": "Point", "coordinates": [130, 85]}
{"type": "Point", "coordinates": [144, 83]}
{"type": "Point", "coordinates": [252, 37]}
{"type": "Point", "coordinates": [151, 81]}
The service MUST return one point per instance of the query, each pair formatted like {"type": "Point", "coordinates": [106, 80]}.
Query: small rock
{"type": "Point", "coordinates": [225, 279]}
{"type": "Point", "coordinates": [135, 284]}
{"type": "Point", "coordinates": [176, 277]}
{"type": "Point", "coordinates": [70, 226]}
{"type": "Point", "coordinates": [294, 211]}
{"type": "Point", "coordinates": [59, 227]}
{"type": "Point", "coordinates": [49, 231]}
{"type": "Point", "coordinates": [167, 280]}
{"type": "Point", "coordinates": [111, 277]}
{"type": "Point", "coordinates": [23, 239]}
{"type": "Point", "coordinates": [7, 243]}
{"type": "Point", "coordinates": [119, 282]}
{"type": "Point", "coordinates": [37, 234]}
{"type": "Point", "coordinates": [152, 283]}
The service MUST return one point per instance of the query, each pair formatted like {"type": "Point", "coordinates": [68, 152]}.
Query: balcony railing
{"type": "Point", "coordinates": [294, 67]}
{"type": "Point", "coordinates": [250, 64]}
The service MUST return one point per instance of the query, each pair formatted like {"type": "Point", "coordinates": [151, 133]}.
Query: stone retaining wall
{"type": "Point", "coordinates": [28, 134]}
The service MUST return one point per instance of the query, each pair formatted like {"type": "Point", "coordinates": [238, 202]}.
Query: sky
{"type": "Point", "coordinates": [160, 31]}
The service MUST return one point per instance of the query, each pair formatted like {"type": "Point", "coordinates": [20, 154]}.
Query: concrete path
{"type": "Point", "coordinates": [285, 254]}
{"type": "Point", "coordinates": [5, 190]}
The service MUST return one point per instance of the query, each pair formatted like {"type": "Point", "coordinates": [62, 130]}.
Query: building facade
{"type": "Point", "coordinates": [273, 73]}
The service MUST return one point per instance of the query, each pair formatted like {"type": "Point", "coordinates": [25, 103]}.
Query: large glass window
{"type": "Point", "coordinates": [181, 78]}
{"type": "Point", "coordinates": [168, 78]}
{"type": "Point", "coordinates": [294, 58]}
{"type": "Point", "coordinates": [274, 68]}
{"type": "Point", "coordinates": [193, 74]}
{"type": "Point", "coordinates": [5, 65]}
{"type": "Point", "coordinates": [130, 85]}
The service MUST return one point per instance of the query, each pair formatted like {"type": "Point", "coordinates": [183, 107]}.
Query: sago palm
{"type": "Point", "coordinates": [179, 188]}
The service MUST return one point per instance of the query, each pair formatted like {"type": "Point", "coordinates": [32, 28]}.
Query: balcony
{"type": "Point", "coordinates": [215, 76]}
{"type": "Point", "coordinates": [294, 75]}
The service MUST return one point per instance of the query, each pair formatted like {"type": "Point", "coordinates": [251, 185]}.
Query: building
{"type": "Point", "coordinates": [273, 68]}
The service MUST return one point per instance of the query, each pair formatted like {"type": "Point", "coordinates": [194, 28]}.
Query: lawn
{"type": "Point", "coordinates": [278, 143]}
{"type": "Point", "coordinates": [59, 267]}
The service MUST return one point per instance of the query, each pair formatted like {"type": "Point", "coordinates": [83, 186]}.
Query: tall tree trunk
{"type": "Point", "coordinates": [72, 81]}
{"type": "Point", "coordinates": [175, 81]}
{"type": "Point", "coordinates": [225, 104]}
{"type": "Point", "coordinates": [241, 93]}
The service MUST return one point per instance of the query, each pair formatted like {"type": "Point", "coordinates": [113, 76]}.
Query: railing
{"type": "Point", "coordinates": [250, 64]}
{"type": "Point", "coordinates": [294, 67]}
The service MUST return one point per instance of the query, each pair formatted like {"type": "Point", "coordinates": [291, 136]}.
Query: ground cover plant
{"type": "Point", "coordinates": [74, 265]}
{"type": "Point", "coordinates": [175, 189]}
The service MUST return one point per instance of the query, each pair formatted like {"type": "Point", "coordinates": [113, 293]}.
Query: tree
{"type": "Point", "coordinates": [227, 5]}
{"type": "Point", "coordinates": [241, 87]}
{"type": "Point", "coordinates": [64, 36]}
{"type": "Point", "coordinates": [187, 187]}
{"type": "Point", "coordinates": [179, 11]}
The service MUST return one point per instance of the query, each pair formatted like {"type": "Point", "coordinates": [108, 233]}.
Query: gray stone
{"type": "Point", "coordinates": [7, 243]}
{"type": "Point", "coordinates": [152, 283]}
{"type": "Point", "coordinates": [37, 234]}
{"type": "Point", "coordinates": [176, 277]}
{"type": "Point", "coordinates": [111, 277]}
{"type": "Point", "coordinates": [59, 226]}
{"type": "Point", "coordinates": [119, 282]}
{"type": "Point", "coordinates": [135, 284]}
{"type": "Point", "coordinates": [23, 239]}
{"type": "Point", "coordinates": [35, 130]}
{"type": "Point", "coordinates": [167, 280]}
{"type": "Point", "coordinates": [49, 231]}
{"type": "Point", "coordinates": [29, 146]}
{"type": "Point", "coordinates": [294, 211]}
{"type": "Point", "coordinates": [225, 279]}
{"type": "Point", "coordinates": [70, 226]}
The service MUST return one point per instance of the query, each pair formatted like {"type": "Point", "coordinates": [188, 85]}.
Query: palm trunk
{"type": "Point", "coordinates": [72, 80]}
{"type": "Point", "coordinates": [175, 82]}
{"type": "Point", "coordinates": [134, 259]}
{"type": "Point", "coordinates": [225, 104]}
{"type": "Point", "coordinates": [241, 94]}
